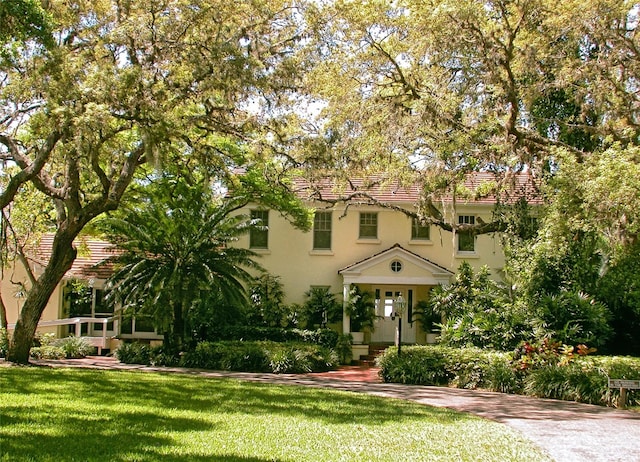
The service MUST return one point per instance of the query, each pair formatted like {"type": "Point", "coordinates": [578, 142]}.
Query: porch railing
{"type": "Point", "coordinates": [99, 342]}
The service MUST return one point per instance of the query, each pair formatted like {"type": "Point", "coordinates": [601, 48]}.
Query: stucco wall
{"type": "Point", "coordinates": [291, 256]}
{"type": "Point", "coordinates": [13, 302]}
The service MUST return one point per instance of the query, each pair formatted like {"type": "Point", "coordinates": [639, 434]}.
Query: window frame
{"type": "Point", "coordinates": [466, 241]}
{"type": "Point", "coordinates": [416, 226]}
{"type": "Point", "coordinates": [259, 238]}
{"type": "Point", "coordinates": [373, 225]}
{"type": "Point", "coordinates": [323, 232]}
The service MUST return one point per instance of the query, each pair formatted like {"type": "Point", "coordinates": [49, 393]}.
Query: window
{"type": "Point", "coordinates": [396, 266]}
{"type": "Point", "coordinates": [101, 309]}
{"type": "Point", "coordinates": [368, 225]}
{"type": "Point", "coordinates": [466, 239]}
{"type": "Point", "coordinates": [322, 230]}
{"type": "Point", "coordinates": [420, 231]}
{"type": "Point", "coordinates": [259, 234]}
{"type": "Point", "coordinates": [389, 302]}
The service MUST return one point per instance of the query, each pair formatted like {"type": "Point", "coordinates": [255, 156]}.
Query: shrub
{"type": "Point", "coordinates": [161, 356]}
{"type": "Point", "coordinates": [281, 361]}
{"type": "Point", "coordinates": [134, 353]}
{"type": "Point", "coordinates": [574, 317]}
{"type": "Point", "coordinates": [361, 309]}
{"type": "Point", "coordinates": [343, 348]}
{"type": "Point", "coordinates": [228, 356]}
{"type": "Point", "coordinates": [478, 312]}
{"type": "Point", "coordinates": [468, 367]}
{"type": "Point", "coordinates": [74, 347]}
{"type": "Point", "coordinates": [320, 308]}
{"type": "Point", "coordinates": [425, 314]}
{"type": "Point", "coordinates": [44, 347]}
{"type": "Point", "coordinates": [552, 372]}
{"type": "Point", "coordinates": [501, 376]}
{"type": "Point", "coordinates": [267, 307]}
{"type": "Point", "coordinates": [617, 367]}
{"type": "Point", "coordinates": [296, 358]}
{"type": "Point", "coordinates": [571, 382]}
{"type": "Point", "coordinates": [47, 352]}
{"type": "Point", "coordinates": [311, 358]}
{"type": "Point", "coordinates": [261, 357]}
{"type": "Point", "coordinates": [4, 342]}
{"type": "Point", "coordinates": [416, 365]}
{"type": "Point", "coordinates": [324, 337]}
{"type": "Point", "coordinates": [440, 365]}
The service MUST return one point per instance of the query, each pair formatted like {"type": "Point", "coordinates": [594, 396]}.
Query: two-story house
{"type": "Point", "coordinates": [378, 248]}
{"type": "Point", "coordinates": [368, 242]}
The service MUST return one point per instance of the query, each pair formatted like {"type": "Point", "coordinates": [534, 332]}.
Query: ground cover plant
{"type": "Point", "coordinates": [545, 370]}
{"type": "Point", "coordinates": [48, 347]}
{"type": "Point", "coordinates": [89, 415]}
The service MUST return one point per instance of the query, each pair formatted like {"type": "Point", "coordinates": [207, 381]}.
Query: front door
{"type": "Point", "coordinates": [386, 327]}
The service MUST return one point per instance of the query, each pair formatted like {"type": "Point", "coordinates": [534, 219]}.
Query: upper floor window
{"type": "Point", "coordinates": [466, 239]}
{"type": "Point", "coordinates": [322, 230]}
{"type": "Point", "coordinates": [420, 231]}
{"type": "Point", "coordinates": [259, 234]}
{"type": "Point", "coordinates": [368, 225]}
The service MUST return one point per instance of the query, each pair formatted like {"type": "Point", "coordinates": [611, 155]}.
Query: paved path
{"type": "Point", "coordinates": [569, 432]}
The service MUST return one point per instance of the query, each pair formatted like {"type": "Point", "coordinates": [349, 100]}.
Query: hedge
{"type": "Point", "coordinates": [241, 356]}
{"type": "Point", "coordinates": [325, 337]}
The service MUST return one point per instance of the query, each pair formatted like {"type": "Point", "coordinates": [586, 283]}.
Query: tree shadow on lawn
{"type": "Point", "coordinates": [80, 435]}
{"type": "Point", "coordinates": [230, 396]}
{"type": "Point", "coordinates": [96, 415]}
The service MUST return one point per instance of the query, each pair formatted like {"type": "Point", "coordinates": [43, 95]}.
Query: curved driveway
{"type": "Point", "coordinates": [567, 431]}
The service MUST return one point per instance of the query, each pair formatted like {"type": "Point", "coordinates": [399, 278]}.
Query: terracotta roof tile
{"type": "Point", "coordinates": [520, 185]}
{"type": "Point", "coordinates": [92, 260]}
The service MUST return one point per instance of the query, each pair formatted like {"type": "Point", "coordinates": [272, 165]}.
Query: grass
{"type": "Point", "coordinates": [89, 415]}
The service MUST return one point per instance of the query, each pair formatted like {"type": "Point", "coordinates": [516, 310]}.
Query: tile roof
{"type": "Point", "coordinates": [92, 260]}
{"type": "Point", "coordinates": [514, 187]}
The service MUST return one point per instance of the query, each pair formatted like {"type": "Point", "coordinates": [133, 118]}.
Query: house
{"type": "Point", "coordinates": [378, 248]}
{"type": "Point", "coordinates": [368, 242]}
{"type": "Point", "coordinates": [76, 305]}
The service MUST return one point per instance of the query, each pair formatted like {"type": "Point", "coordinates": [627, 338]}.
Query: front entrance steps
{"type": "Point", "coordinates": [369, 359]}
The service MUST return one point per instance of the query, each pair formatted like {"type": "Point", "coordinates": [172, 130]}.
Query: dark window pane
{"type": "Point", "coordinates": [466, 239]}
{"type": "Point", "coordinates": [259, 236]}
{"type": "Point", "coordinates": [368, 225]}
{"type": "Point", "coordinates": [466, 242]}
{"type": "Point", "coordinates": [420, 231]}
{"type": "Point", "coordinates": [144, 324]}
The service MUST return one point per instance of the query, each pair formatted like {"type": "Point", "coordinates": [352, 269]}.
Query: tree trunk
{"type": "Point", "coordinates": [62, 256]}
{"type": "Point", "coordinates": [3, 314]}
{"type": "Point", "coordinates": [178, 326]}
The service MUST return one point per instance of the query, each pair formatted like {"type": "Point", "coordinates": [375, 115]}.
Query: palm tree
{"type": "Point", "coordinates": [174, 254]}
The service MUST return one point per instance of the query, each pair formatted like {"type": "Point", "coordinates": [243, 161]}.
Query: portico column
{"type": "Point", "coordinates": [346, 320]}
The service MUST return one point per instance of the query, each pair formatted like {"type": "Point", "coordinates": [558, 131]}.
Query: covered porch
{"type": "Point", "coordinates": [399, 279]}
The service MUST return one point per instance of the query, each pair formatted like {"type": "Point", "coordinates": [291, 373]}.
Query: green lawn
{"type": "Point", "coordinates": [88, 415]}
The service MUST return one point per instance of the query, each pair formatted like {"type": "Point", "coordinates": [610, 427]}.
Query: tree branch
{"type": "Point", "coordinates": [29, 169]}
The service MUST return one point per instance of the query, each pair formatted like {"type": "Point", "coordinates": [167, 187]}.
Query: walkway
{"type": "Point", "coordinates": [569, 432]}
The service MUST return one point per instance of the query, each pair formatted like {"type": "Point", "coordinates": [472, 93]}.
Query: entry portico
{"type": "Point", "coordinates": [389, 274]}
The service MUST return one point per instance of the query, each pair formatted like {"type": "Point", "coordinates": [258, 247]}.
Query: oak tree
{"type": "Point", "coordinates": [124, 85]}
{"type": "Point", "coordinates": [428, 92]}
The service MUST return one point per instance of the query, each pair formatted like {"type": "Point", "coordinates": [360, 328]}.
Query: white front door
{"type": "Point", "coordinates": [385, 327]}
